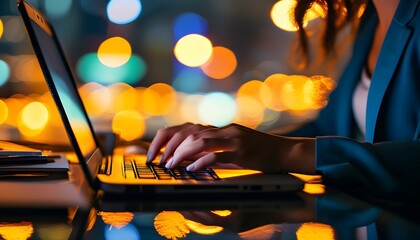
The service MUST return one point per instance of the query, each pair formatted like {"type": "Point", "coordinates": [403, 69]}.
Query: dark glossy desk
{"type": "Point", "coordinates": [316, 213]}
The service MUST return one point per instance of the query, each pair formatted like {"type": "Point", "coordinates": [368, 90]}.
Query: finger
{"type": "Point", "coordinates": [178, 138]}
{"type": "Point", "coordinates": [202, 145]}
{"type": "Point", "coordinates": [210, 160]}
{"type": "Point", "coordinates": [161, 138]}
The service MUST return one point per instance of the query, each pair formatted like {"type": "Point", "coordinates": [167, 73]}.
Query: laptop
{"type": "Point", "coordinates": [121, 174]}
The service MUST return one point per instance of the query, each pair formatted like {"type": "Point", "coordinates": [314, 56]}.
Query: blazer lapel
{"type": "Point", "coordinates": [393, 46]}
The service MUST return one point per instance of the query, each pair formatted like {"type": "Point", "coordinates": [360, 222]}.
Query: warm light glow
{"type": "Point", "coordinates": [14, 105]}
{"type": "Point", "coordinates": [116, 219]}
{"type": "Point", "coordinates": [264, 232]}
{"type": "Point", "coordinates": [282, 14]}
{"type": "Point", "coordinates": [4, 72]}
{"type": "Point", "coordinates": [270, 94]}
{"type": "Point", "coordinates": [158, 99]}
{"type": "Point", "coordinates": [221, 64]}
{"type": "Point", "coordinates": [222, 213]}
{"type": "Point", "coordinates": [193, 50]}
{"type": "Point", "coordinates": [171, 224]}
{"type": "Point", "coordinates": [114, 52]}
{"type": "Point", "coordinates": [32, 119]}
{"type": "Point", "coordinates": [123, 11]}
{"type": "Point", "coordinates": [249, 98]}
{"type": "Point", "coordinates": [4, 112]}
{"type": "Point", "coordinates": [294, 93]}
{"type": "Point", "coordinates": [189, 107]}
{"type": "Point", "coordinates": [315, 231]}
{"type": "Point", "coordinates": [16, 231]}
{"type": "Point", "coordinates": [313, 188]}
{"type": "Point", "coordinates": [361, 10]}
{"type": "Point", "coordinates": [96, 98]}
{"type": "Point", "coordinates": [129, 125]}
{"type": "Point", "coordinates": [33, 71]}
{"type": "Point", "coordinates": [203, 229]}
{"type": "Point", "coordinates": [217, 109]}
{"type": "Point", "coordinates": [1, 28]}
{"type": "Point", "coordinates": [35, 115]}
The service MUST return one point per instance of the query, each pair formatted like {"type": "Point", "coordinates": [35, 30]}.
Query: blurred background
{"type": "Point", "coordinates": [145, 64]}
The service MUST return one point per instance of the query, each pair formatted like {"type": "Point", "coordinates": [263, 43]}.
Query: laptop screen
{"type": "Point", "coordinates": [67, 93]}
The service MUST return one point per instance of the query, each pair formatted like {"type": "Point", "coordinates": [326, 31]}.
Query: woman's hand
{"type": "Point", "coordinates": [207, 145]}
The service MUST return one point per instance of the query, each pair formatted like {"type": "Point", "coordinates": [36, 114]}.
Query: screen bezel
{"type": "Point", "coordinates": [90, 165]}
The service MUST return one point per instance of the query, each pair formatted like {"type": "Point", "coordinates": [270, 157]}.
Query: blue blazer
{"type": "Point", "coordinates": [389, 161]}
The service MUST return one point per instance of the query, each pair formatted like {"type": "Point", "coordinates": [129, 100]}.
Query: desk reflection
{"type": "Point", "coordinates": [330, 215]}
{"type": "Point", "coordinates": [323, 214]}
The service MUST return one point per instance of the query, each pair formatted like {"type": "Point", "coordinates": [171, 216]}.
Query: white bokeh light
{"type": "Point", "coordinates": [217, 108]}
{"type": "Point", "coordinates": [123, 11]}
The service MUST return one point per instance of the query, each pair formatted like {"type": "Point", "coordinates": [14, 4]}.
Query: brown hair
{"type": "Point", "coordinates": [339, 13]}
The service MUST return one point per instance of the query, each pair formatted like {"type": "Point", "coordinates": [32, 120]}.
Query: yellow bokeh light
{"type": "Point", "coordinates": [293, 93]}
{"type": "Point", "coordinates": [283, 17]}
{"type": "Point", "coordinates": [193, 50]}
{"type": "Point", "coordinates": [32, 119]}
{"type": "Point", "coordinates": [222, 213]}
{"type": "Point", "coordinates": [315, 231]}
{"type": "Point", "coordinates": [15, 105]}
{"type": "Point", "coordinates": [203, 229]}
{"type": "Point", "coordinates": [158, 99]}
{"type": "Point", "coordinates": [35, 115]}
{"type": "Point", "coordinates": [270, 94]}
{"type": "Point", "coordinates": [221, 64]}
{"type": "Point", "coordinates": [313, 188]}
{"type": "Point", "coordinates": [16, 231]}
{"type": "Point", "coordinates": [171, 224]}
{"type": "Point", "coordinates": [249, 98]}
{"type": "Point", "coordinates": [114, 52]}
{"type": "Point", "coordinates": [1, 28]}
{"type": "Point", "coordinates": [129, 124]}
{"type": "Point", "coordinates": [4, 112]}
{"type": "Point", "coordinates": [117, 219]}
{"type": "Point", "coordinates": [96, 98]}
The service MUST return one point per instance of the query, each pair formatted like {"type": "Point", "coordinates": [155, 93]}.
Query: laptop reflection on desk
{"type": "Point", "coordinates": [120, 173]}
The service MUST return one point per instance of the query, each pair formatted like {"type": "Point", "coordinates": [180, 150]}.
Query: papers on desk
{"type": "Point", "coordinates": [17, 159]}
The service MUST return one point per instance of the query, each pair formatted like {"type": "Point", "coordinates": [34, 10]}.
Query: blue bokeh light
{"type": "Point", "coordinates": [188, 23]}
{"type": "Point", "coordinates": [4, 72]}
{"type": "Point", "coordinates": [128, 232]}
{"type": "Point", "coordinates": [90, 69]}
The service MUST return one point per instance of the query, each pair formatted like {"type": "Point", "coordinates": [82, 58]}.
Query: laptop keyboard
{"type": "Point", "coordinates": [152, 171]}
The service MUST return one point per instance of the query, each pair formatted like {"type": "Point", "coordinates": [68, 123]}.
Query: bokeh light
{"type": "Point", "coordinates": [56, 8]}
{"type": "Point", "coordinates": [33, 118]}
{"type": "Point", "coordinates": [96, 98]}
{"type": "Point", "coordinates": [190, 80]}
{"type": "Point", "coordinates": [123, 11]}
{"type": "Point", "coordinates": [188, 23]}
{"type": "Point", "coordinates": [307, 230]}
{"type": "Point", "coordinates": [272, 98]}
{"type": "Point", "coordinates": [4, 112]}
{"type": "Point", "coordinates": [193, 50]}
{"type": "Point", "coordinates": [203, 229]}
{"type": "Point", "coordinates": [129, 232]}
{"type": "Point", "coordinates": [282, 14]}
{"type": "Point", "coordinates": [221, 64]}
{"type": "Point", "coordinates": [158, 99]}
{"type": "Point", "coordinates": [90, 69]}
{"type": "Point", "coordinates": [129, 124]}
{"type": "Point", "coordinates": [1, 28]}
{"type": "Point", "coordinates": [114, 52]}
{"type": "Point", "coordinates": [18, 230]}
{"type": "Point", "coordinates": [4, 72]}
{"type": "Point", "coordinates": [217, 108]}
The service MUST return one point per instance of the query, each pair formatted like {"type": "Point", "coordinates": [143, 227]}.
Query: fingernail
{"type": "Point", "coordinates": [191, 167]}
{"type": "Point", "coordinates": [168, 164]}
{"type": "Point", "coordinates": [162, 159]}
{"type": "Point", "coordinates": [149, 158]}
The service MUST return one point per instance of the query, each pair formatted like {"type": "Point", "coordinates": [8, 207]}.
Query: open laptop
{"type": "Point", "coordinates": [128, 174]}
